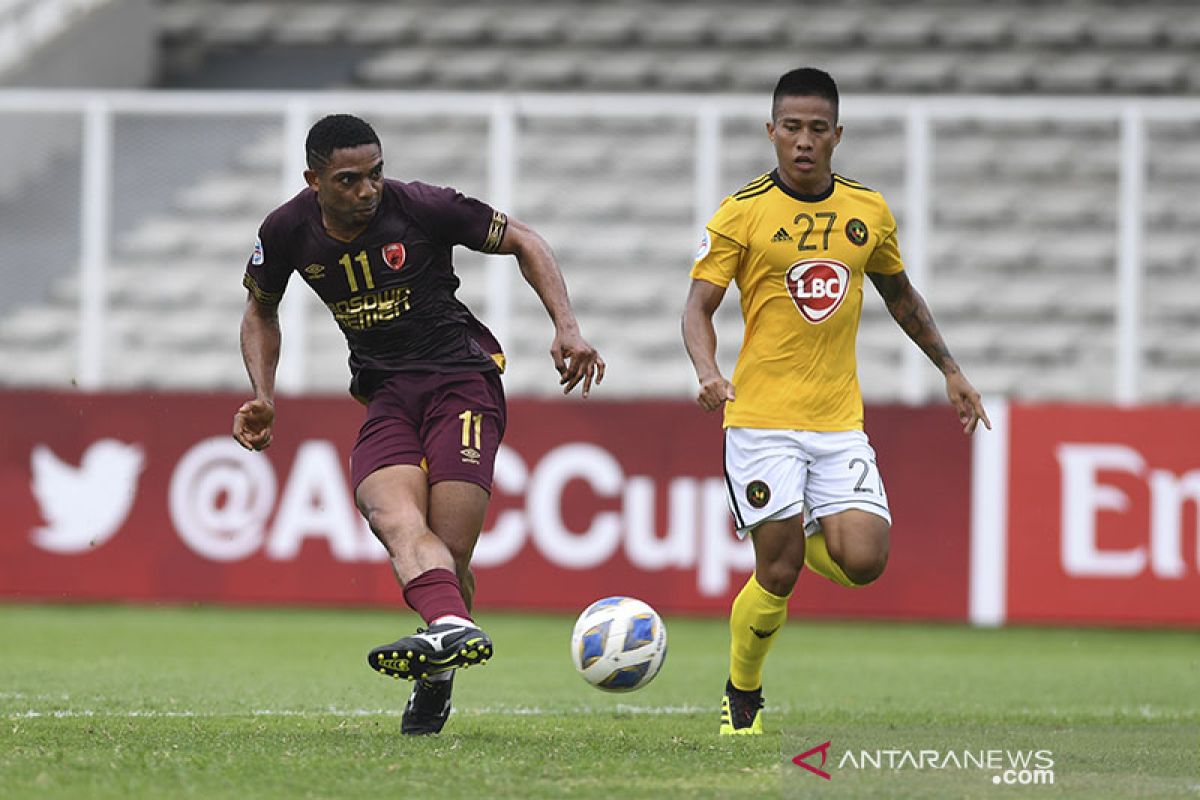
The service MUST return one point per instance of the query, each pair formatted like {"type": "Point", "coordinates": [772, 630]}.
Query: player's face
{"type": "Point", "coordinates": [805, 132]}
{"type": "Point", "coordinates": [349, 187]}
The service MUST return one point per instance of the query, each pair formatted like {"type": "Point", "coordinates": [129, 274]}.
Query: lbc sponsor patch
{"type": "Point", "coordinates": [817, 286]}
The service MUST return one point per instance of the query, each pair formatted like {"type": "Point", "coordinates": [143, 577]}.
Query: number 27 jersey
{"type": "Point", "coordinates": [799, 262]}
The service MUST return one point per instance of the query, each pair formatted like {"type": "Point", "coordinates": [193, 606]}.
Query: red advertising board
{"type": "Point", "coordinates": [1102, 515]}
{"type": "Point", "coordinates": [146, 497]}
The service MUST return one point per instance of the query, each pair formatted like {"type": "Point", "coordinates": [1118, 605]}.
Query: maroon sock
{"type": "Point", "coordinates": [435, 593]}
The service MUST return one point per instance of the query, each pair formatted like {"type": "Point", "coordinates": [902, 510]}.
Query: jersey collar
{"type": "Point", "coordinates": [806, 198]}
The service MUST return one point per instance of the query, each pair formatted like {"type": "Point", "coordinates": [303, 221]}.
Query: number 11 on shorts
{"type": "Point", "coordinates": [471, 421]}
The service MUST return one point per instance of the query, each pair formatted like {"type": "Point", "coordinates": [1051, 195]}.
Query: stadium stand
{"type": "Point", "coordinates": [1023, 213]}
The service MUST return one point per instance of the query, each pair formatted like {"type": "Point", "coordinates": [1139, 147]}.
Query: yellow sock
{"type": "Point", "coordinates": [817, 558]}
{"type": "Point", "coordinates": [755, 620]}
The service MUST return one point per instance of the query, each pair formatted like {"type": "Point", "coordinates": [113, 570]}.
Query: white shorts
{"type": "Point", "coordinates": [776, 474]}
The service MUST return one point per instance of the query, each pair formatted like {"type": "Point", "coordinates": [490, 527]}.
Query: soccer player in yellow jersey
{"type": "Point", "coordinates": [802, 477]}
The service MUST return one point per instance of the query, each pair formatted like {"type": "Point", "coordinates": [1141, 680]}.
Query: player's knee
{"type": "Point", "coordinates": [865, 565]}
{"type": "Point", "coordinates": [393, 526]}
{"type": "Point", "coordinates": [462, 556]}
{"type": "Point", "coordinates": [778, 577]}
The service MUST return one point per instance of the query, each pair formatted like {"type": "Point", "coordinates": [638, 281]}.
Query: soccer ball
{"type": "Point", "coordinates": [618, 644]}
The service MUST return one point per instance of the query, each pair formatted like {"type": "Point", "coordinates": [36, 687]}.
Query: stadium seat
{"type": "Point", "coordinates": [538, 26]}
{"type": "Point", "coordinates": [994, 72]}
{"type": "Point", "coordinates": [305, 25]}
{"type": "Point", "coordinates": [976, 29]}
{"type": "Point", "coordinates": [691, 72]}
{"type": "Point", "coordinates": [1067, 74]}
{"type": "Point", "coordinates": [457, 25]}
{"type": "Point", "coordinates": [240, 25]}
{"type": "Point", "coordinates": [836, 28]}
{"type": "Point", "coordinates": [913, 29]}
{"type": "Point", "coordinates": [385, 25]}
{"type": "Point", "coordinates": [925, 73]}
{"type": "Point", "coordinates": [630, 70]}
{"type": "Point", "coordinates": [1050, 29]}
{"type": "Point", "coordinates": [603, 26]}
{"type": "Point", "coordinates": [678, 25]}
{"type": "Point", "coordinates": [477, 70]}
{"type": "Point", "coordinates": [762, 29]}
{"type": "Point", "coordinates": [553, 69]}
{"type": "Point", "coordinates": [1143, 28]}
{"type": "Point", "coordinates": [1150, 73]}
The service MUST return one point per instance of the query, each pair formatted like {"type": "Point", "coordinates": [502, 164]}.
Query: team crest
{"type": "Point", "coordinates": [393, 255]}
{"type": "Point", "coordinates": [856, 231]}
{"type": "Point", "coordinates": [758, 494]}
{"type": "Point", "coordinates": [314, 271]}
{"type": "Point", "coordinates": [257, 258]}
{"type": "Point", "coordinates": [817, 286]}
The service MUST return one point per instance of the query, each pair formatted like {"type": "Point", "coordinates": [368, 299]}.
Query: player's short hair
{"type": "Point", "coordinates": [806, 82]}
{"type": "Point", "coordinates": [336, 132]}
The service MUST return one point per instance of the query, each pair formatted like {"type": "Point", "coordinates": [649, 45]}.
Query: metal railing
{"type": "Point", "coordinates": [296, 111]}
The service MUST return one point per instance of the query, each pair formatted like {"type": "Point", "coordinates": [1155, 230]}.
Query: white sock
{"type": "Point", "coordinates": [451, 619]}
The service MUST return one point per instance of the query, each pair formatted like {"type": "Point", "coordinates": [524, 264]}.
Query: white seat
{"type": "Point", "coordinates": [691, 72]}
{"type": "Point", "coordinates": [315, 24]}
{"type": "Point", "coordinates": [995, 72]}
{"type": "Point", "coordinates": [1057, 28]}
{"type": "Point", "coordinates": [553, 69]}
{"type": "Point", "coordinates": [978, 28]}
{"type": "Point", "coordinates": [675, 26]}
{"type": "Point", "coordinates": [1148, 72]}
{"type": "Point", "coordinates": [456, 25]}
{"type": "Point", "coordinates": [475, 70]}
{"type": "Point", "coordinates": [763, 28]}
{"type": "Point", "coordinates": [1073, 73]}
{"type": "Point", "coordinates": [383, 23]}
{"type": "Point", "coordinates": [401, 67]}
{"type": "Point", "coordinates": [239, 24]}
{"type": "Point", "coordinates": [628, 70]}
{"type": "Point", "coordinates": [538, 27]}
{"type": "Point", "coordinates": [603, 26]}
{"type": "Point", "coordinates": [1142, 28]}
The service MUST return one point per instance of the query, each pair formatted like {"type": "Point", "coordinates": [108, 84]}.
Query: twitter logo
{"type": "Point", "coordinates": [84, 506]}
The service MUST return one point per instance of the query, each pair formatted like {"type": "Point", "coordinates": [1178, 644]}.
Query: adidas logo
{"type": "Point", "coordinates": [781, 236]}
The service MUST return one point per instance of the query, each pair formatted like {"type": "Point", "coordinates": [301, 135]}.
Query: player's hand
{"type": "Point", "coordinates": [714, 392]}
{"type": "Point", "coordinates": [966, 402]}
{"type": "Point", "coordinates": [576, 361]}
{"type": "Point", "coordinates": [252, 424]}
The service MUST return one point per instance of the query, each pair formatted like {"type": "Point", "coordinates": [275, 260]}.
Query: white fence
{"type": "Point", "coordinates": [921, 120]}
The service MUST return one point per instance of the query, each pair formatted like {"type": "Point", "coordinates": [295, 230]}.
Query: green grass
{"type": "Point", "coordinates": [112, 702]}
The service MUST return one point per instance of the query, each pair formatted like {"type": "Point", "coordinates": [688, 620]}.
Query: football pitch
{"type": "Point", "coordinates": [118, 702]}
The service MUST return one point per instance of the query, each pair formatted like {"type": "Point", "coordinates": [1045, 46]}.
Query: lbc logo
{"type": "Point", "coordinates": [817, 286]}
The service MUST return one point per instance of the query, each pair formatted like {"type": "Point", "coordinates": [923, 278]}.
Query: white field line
{"type": "Point", "coordinates": [509, 711]}
{"type": "Point", "coordinates": [1082, 716]}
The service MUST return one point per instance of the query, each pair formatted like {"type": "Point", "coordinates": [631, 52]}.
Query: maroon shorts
{"type": "Point", "coordinates": [449, 423]}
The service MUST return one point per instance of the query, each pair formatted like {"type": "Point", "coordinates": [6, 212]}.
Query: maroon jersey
{"type": "Point", "coordinates": [391, 289]}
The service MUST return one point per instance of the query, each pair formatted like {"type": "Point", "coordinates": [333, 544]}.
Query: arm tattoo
{"type": "Point", "coordinates": [911, 313]}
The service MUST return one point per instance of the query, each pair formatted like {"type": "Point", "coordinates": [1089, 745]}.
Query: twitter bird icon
{"type": "Point", "coordinates": [84, 506]}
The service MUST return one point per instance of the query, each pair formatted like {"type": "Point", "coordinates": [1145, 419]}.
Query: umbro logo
{"type": "Point", "coordinates": [781, 236]}
{"type": "Point", "coordinates": [764, 634]}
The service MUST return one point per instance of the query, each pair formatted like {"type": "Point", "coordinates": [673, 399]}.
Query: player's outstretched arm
{"type": "Point", "coordinates": [700, 339]}
{"type": "Point", "coordinates": [574, 358]}
{"type": "Point", "coordinates": [910, 311]}
{"type": "Point", "coordinates": [254, 421]}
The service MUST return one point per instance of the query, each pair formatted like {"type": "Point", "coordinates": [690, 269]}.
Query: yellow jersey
{"type": "Point", "coordinates": [798, 261]}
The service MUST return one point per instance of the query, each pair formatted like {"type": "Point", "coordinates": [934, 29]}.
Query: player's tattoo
{"type": "Point", "coordinates": [909, 310]}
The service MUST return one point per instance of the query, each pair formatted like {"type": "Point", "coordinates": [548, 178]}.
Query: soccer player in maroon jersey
{"type": "Point", "coordinates": [378, 253]}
